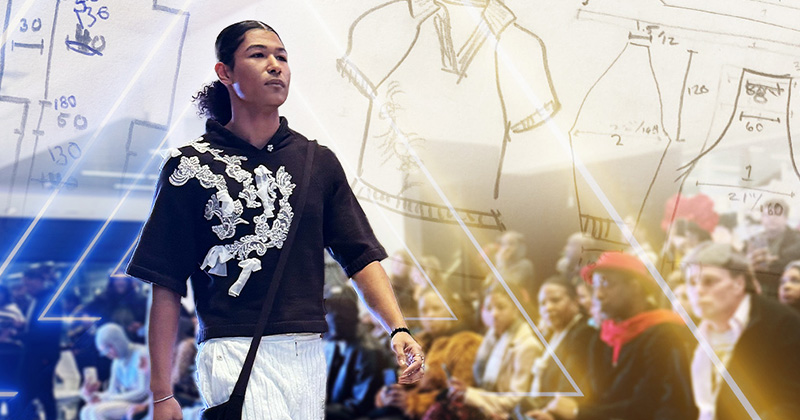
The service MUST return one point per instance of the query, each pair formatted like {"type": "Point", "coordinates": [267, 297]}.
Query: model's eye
{"type": "Point", "coordinates": [257, 55]}
{"type": "Point", "coordinates": [282, 58]}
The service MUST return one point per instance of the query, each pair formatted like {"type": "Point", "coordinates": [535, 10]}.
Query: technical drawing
{"type": "Point", "coordinates": [72, 111]}
{"type": "Point", "coordinates": [784, 14]}
{"type": "Point", "coordinates": [632, 132]}
{"type": "Point", "coordinates": [448, 84]}
{"type": "Point", "coordinates": [761, 113]}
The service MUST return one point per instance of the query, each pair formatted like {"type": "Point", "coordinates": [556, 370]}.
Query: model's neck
{"type": "Point", "coordinates": [254, 126]}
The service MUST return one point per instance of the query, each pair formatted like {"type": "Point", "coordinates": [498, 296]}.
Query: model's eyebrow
{"type": "Point", "coordinates": [264, 47]}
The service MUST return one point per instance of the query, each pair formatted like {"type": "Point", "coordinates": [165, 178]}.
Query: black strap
{"type": "Point", "coordinates": [244, 376]}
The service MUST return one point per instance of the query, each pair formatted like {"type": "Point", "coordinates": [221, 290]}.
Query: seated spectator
{"type": "Point", "coordinates": [757, 339]}
{"type": "Point", "coordinates": [515, 267]}
{"type": "Point", "coordinates": [122, 304]}
{"type": "Point", "coordinates": [568, 333]}
{"type": "Point", "coordinates": [354, 369]}
{"type": "Point", "coordinates": [431, 270]}
{"type": "Point", "coordinates": [584, 295]}
{"type": "Point", "coordinates": [42, 348]}
{"type": "Point", "coordinates": [129, 381]}
{"type": "Point", "coordinates": [447, 344]}
{"type": "Point", "coordinates": [688, 222]}
{"type": "Point", "coordinates": [677, 284]}
{"type": "Point", "coordinates": [504, 361]}
{"type": "Point", "coordinates": [789, 291]}
{"type": "Point", "coordinates": [776, 246]}
{"type": "Point", "coordinates": [8, 308]}
{"type": "Point", "coordinates": [400, 277]}
{"type": "Point", "coordinates": [579, 251]}
{"type": "Point", "coordinates": [639, 364]}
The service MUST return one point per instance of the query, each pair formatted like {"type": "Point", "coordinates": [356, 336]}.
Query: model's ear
{"type": "Point", "coordinates": [223, 73]}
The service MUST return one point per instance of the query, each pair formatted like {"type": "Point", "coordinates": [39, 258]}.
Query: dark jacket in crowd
{"type": "Point", "coordinates": [572, 354]}
{"type": "Point", "coordinates": [765, 364]}
{"type": "Point", "coordinates": [354, 377]}
{"type": "Point", "coordinates": [650, 381]}
{"type": "Point", "coordinates": [786, 248]}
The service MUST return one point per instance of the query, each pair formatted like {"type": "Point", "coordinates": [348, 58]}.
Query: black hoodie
{"type": "Point", "coordinates": [191, 214]}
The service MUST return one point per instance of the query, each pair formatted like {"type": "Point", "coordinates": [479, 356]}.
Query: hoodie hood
{"type": "Point", "coordinates": [227, 138]}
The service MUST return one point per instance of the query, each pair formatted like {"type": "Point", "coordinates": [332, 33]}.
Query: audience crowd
{"type": "Point", "coordinates": [707, 329]}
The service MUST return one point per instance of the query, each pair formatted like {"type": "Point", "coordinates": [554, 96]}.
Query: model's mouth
{"type": "Point", "coordinates": [276, 83]}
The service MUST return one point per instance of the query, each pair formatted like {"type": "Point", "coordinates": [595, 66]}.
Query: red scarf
{"type": "Point", "coordinates": [617, 335]}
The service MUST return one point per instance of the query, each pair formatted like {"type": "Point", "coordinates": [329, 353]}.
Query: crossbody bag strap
{"type": "Point", "coordinates": [244, 375]}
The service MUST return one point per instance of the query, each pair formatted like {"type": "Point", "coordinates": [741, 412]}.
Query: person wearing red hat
{"type": "Point", "coordinates": [639, 363]}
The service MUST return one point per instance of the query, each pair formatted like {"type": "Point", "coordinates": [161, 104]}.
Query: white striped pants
{"type": "Point", "coordinates": [287, 381]}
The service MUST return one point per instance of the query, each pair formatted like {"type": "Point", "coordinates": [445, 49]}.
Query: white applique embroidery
{"type": "Point", "coordinates": [229, 211]}
{"type": "Point", "coordinates": [216, 259]}
{"type": "Point", "coordinates": [248, 267]}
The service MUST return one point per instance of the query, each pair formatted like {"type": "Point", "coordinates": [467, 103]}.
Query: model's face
{"type": "Point", "coordinates": [789, 291]}
{"type": "Point", "coordinates": [260, 76]}
{"type": "Point", "coordinates": [499, 312]}
{"type": "Point", "coordinates": [614, 292]}
{"type": "Point", "coordinates": [713, 292]}
{"type": "Point", "coordinates": [556, 307]}
{"type": "Point", "coordinates": [430, 306]}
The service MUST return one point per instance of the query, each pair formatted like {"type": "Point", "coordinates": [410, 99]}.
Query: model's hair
{"type": "Point", "coordinates": [213, 100]}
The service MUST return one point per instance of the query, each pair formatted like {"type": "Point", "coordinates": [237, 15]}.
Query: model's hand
{"type": "Point", "coordinates": [410, 357]}
{"type": "Point", "coordinates": [167, 410]}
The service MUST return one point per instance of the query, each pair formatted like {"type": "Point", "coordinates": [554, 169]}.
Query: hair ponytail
{"type": "Point", "coordinates": [213, 101]}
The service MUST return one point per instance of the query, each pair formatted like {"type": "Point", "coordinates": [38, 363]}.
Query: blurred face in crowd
{"type": "Point", "coordinates": [431, 306]}
{"type": "Point", "coordinates": [120, 285]}
{"type": "Point", "coordinates": [108, 350]}
{"type": "Point", "coordinates": [342, 321]}
{"type": "Point", "coordinates": [556, 307]}
{"type": "Point", "coordinates": [33, 285]}
{"type": "Point", "coordinates": [789, 291]}
{"type": "Point", "coordinates": [714, 292]}
{"type": "Point", "coordinates": [616, 292]}
{"type": "Point", "coordinates": [400, 266]}
{"type": "Point", "coordinates": [418, 277]}
{"type": "Point", "coordinates": [774, 217]}
{"type": "Point", "coordinates": [574, 247]}
{"type": "Point", "coordinates": [511, 248]}
{"type": "Point", "coordinates": [499, 312]}
{"type": "Point", "coordinates": [681, 291]}
{"type": "Point", "coordinates": [584, 296]}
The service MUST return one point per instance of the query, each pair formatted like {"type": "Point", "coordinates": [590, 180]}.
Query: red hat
{"type": "Point", "coordinates": [614, 260]}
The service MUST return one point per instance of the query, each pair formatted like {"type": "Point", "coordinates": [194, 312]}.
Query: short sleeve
{"type": "Point", "coordinates": [167, 249]}
{"type": "Point", "coordinates": [346, 231]}
{"type": "Point", "coordinates": [371, 58]}
{"type": "Point", "coordinates": [524, 79]}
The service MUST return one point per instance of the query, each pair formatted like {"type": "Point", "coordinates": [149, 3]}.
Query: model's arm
{"type": "Point", "coordinates": [162, 329]}
{"type": "Point", "coordinates": [373, 285]}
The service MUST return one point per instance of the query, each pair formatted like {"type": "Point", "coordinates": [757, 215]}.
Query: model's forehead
{"type": "Point", "coordinates": [261, 37]}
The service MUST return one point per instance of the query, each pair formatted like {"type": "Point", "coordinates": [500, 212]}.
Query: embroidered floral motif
{"type": "Point", "coordinates": [228, 211]}
{"type": "Point", "coordinates": [267, 236]}
{"type": "Point", "coordinates": [268, 188]}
